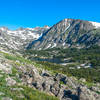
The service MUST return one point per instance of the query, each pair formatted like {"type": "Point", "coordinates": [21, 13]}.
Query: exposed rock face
{"type": "Point", "coordinates": [19, 38]}
{"type": "Point", "coordinates": [68, 32]}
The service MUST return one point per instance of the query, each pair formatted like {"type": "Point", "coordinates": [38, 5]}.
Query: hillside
{"type": "Point", "coordinates": [23, 77]}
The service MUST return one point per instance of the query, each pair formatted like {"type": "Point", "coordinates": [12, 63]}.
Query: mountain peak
{"type": "Point", "coordinates": [46, 26]}
{"type": "Point", "coordinates": [4, 28]}
{"type": "Point", "coordinates": [68, 32]}
{"type": "Point", "coordinates": [95, 24]}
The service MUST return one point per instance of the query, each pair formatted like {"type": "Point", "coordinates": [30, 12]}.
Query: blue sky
{"type": "Point", "coordinates": [32, 13]}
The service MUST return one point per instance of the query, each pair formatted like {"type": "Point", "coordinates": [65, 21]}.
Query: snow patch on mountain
{"type": "Point", "coordinates": [66, 28]}
{"type": "Point", "coordinates": [54, 45]}
{"type": "Point", "coordinates": [20, 38]}
{"type": "Point", "coordinates": [97, 25]}
{"type": "Point", "coordinates": [48, 46]}
{"type": "Point", "coordinates": [23, 34]}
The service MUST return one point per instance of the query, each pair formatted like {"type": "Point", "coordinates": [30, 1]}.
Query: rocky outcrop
{"type": "Point", "coordinates": [65, 88]}
{"type": "Point", "coordinates": [10, 81]}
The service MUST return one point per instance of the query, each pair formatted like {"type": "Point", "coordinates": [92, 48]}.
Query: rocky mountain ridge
{"type": "Point", "coordinates": [66, 33]}
{"type": "Point", "coordinates": [20, 38]}
{"type": "Point", "coordinates": [69, 33]}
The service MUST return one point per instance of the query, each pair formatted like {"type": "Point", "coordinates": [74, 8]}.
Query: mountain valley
{"type": "Point", "coordinates": [61, 62]}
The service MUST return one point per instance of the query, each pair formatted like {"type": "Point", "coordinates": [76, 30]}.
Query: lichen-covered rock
{"type": "Point", "coordinates": [10, 81]}
{"type": "Point", "coordinates": [6, 98]}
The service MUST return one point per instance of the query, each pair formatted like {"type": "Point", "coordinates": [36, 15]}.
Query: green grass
{"type": "Point", "coordinates": [31, 94]}
{"type": "Point", "coordinates": [16, 58]}
{"type": "Point", "coordinates": [89, 84]}
{"type": "Point", "coordinates": [25, 93]}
